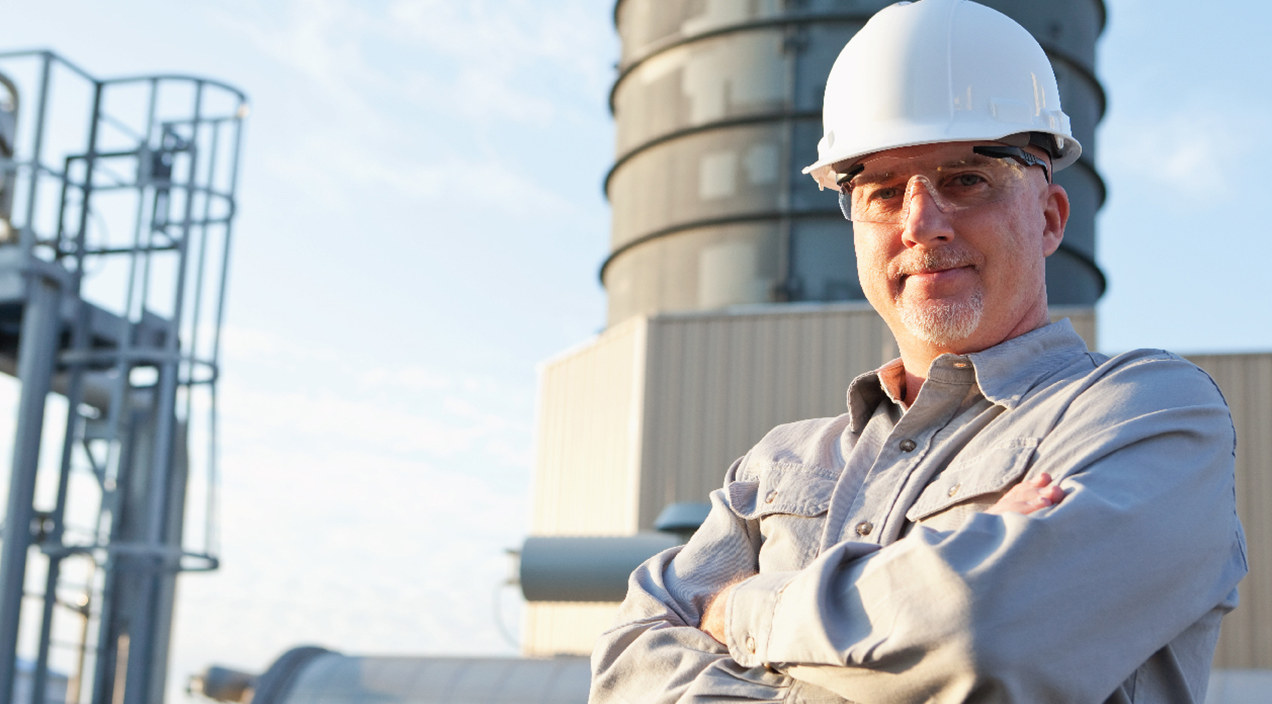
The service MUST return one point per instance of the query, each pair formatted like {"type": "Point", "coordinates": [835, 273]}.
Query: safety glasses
{"type": "Point", "coordinates": [879, 189]}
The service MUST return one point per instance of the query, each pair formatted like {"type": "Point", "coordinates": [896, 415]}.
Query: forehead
{"type": "Point", "coordinates": [934, 154]}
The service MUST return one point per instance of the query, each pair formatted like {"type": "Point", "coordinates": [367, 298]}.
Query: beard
{"type": "Point", "coordinates": [941, 321]}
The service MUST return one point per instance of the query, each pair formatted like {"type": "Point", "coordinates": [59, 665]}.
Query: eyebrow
{"type": "Point", "coordinates": [875, 178]}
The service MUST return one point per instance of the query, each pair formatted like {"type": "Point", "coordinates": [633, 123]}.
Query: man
{"type": "Point", "coordinates": [916, 549]}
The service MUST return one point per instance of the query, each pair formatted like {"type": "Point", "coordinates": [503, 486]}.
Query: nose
{"type": "Point", "coordinates": [924, 223]}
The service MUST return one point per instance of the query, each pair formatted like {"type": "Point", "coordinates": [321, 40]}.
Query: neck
{"type": "Point", "coordinates": [917, 354]}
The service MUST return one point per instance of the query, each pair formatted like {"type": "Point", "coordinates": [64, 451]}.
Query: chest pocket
{"type": "Point", "coordinates": [790, 503]}
{"type": "Point", "coordinates": [974, 482]}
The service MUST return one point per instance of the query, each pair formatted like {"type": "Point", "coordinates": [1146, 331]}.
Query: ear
{"type": "Point", "coordinates": [1055, 214]}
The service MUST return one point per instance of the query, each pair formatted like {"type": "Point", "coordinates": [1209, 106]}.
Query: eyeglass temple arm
{"type": "Point", "coordinates": [1004, 152]}
{"type": "Point", "coordinates": [1017, 154]}
{"type": "Point", "coordinates": [850, 174]}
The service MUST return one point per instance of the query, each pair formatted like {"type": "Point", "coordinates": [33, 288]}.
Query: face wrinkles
{"type": "Point", "coordinates": [937, 321]}
{"type": "Point", "coordinates": [961, 281]}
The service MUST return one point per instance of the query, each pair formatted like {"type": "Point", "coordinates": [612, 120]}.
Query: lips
{"type": "Point", "coordinates": [935, 275]}
{"type": "Point", "coordinates": [934, 266]}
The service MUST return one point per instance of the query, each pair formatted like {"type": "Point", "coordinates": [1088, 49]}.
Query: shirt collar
{"type": "Point", "coordinates": [1004, 372]}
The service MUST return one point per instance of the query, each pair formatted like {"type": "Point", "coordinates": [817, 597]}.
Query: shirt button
{"type": "Point", "coordinates": [771, 496]}
{"type": "Point", "coordinates": [954, 489]}
{"type": "Point", "coordinates": [750, 645]}
{"type": "Point", "coordinates": [864, 528]}
{"type": "Point", "coordinates": [908, 445]}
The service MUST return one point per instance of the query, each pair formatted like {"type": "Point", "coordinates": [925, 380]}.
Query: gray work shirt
{"type": "Point", "coordinates": [868, 572]}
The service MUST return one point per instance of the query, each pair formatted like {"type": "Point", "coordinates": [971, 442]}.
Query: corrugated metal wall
{"type": "Point", "coordinates": [552, 628]}
{"type": "Point", "coordinates": [587, 468]}
{"type": "Point", "coordinates": [654, 410]}
{"type": "Point", "coordinates": [589, 436]}
{"type": "Point", "coordinates": [1246, 381]}
{"type": "Point", "coordinates": [717, 382]}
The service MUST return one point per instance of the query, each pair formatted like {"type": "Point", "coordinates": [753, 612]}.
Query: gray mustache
{"type": "Point", "coordinates": [935, 260]}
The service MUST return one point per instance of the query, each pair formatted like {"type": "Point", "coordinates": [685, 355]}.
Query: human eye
{"type": "Point", "coordinates": [877, 200]}
{"type": "Point", "coordinates": [967, 180]}
{"type": "Point", "coordinates": [885, 193]}
{"type": "Point", "coordinates": [969, 185]}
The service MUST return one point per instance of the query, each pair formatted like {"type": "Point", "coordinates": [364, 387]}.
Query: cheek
{"type": "Point", "coordinates": [1021, 257]}
{"type": "Point", "coordinates": [871, 263]}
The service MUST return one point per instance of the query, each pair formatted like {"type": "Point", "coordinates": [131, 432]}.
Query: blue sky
{"type": "Point", "coordinates": [421, 222]}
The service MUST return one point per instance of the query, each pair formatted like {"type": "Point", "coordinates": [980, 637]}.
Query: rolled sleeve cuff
{"type": "Point", "coordinates": [751, 606]}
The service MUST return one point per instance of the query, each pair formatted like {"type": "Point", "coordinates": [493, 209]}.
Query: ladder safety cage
{"type": "Point", "coordinates": [117, 201]}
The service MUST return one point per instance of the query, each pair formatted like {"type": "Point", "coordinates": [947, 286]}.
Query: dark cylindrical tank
{"type": "Point", "coordinates": [718, 107]}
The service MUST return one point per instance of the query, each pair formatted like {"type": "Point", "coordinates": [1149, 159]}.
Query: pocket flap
{"type": "Point", "coordinates": [989, 472]}
{"type": "Point", "coordinates": [782, 489]}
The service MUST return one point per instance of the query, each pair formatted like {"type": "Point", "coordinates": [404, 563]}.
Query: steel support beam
{"type": "Point", "coordinates": [36, 355]}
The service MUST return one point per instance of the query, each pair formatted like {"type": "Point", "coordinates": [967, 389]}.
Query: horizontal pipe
{"type": "Point", "coordinates": [585, 568]}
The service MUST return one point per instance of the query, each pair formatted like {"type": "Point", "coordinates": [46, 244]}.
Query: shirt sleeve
{"type": "Point", "coordinates": [656, 654]}
{"type": "Point", "coordinates": [1007, 608]}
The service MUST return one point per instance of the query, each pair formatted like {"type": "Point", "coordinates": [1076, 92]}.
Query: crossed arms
{"type": "Point", "coordinates": [1027, 497]}
{"type": "Point", "coordinates": [1132, 569]}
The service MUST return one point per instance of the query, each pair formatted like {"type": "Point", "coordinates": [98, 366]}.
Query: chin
{"type": "Point", "coordinates": [943, 322]}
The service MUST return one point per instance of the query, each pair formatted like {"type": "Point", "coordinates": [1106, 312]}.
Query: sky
{"type": "Point", "coordinates": [420, 225]}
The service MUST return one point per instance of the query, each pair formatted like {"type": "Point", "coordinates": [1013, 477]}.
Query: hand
{"type": "Point", "coordinates": [715, 619]}
{"type": "Point", "coordinates": [1029, 496]}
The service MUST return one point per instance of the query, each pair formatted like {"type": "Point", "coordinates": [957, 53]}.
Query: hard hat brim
{"type": "Point", "coordinates": [823, 169]}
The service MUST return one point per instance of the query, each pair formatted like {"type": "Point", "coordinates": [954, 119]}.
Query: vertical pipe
{"type": "Point", "coordinates": [199, 266]}
{"type": "Point", "coordinates": [76, 685]}
{"type": "Point", "coordinates": [107, 674]}
{"type": "Point", "coordinates": [37, 348]}
{"type": "Point", "coordinates": [216, 330]}
{"type": "Point", "coordinates": [79, 342]}
{"type": "Point", "coordinates": [142, 636]}
{"type": "Point", "coordinates": [104, 675]}
{"type": "Point", "coordinates": [26, 236]}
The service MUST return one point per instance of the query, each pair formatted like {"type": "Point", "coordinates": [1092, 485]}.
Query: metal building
{"type": "Point", "coordinates": [1246, 381]}
{"type": "Point", "coordinates": [117, 198]}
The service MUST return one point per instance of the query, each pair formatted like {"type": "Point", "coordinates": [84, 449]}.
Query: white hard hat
{"type": "Point", "coordinates": [940, 71]}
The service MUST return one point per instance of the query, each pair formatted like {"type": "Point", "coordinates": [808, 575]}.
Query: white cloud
{"type": "Point", "coordinates": [383, 84]}
{"type": "Point", "coordinates": [360, 551]}
{"type": "Point", "coordinates": [255, 344]}
{"type": "Point", "coordinates": [408, 378]}
{"type": "Point", "coordinates": [1200, 155]}
{"type": "Point", "coordinates": [471, 59]}
{"type": "Point", "coordinates": [316, 396]}
{"type": "Point", "coordinates": [252, 415]}
{"type": "Point", "coordinates": [502, 37]}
